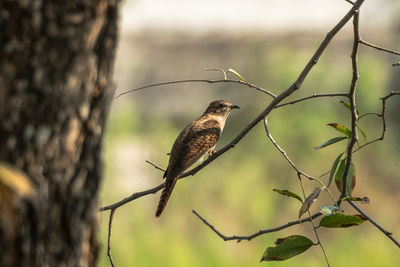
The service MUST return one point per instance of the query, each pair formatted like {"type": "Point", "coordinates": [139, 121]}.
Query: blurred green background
{"type": "Point", "coordinates": [235, 192]}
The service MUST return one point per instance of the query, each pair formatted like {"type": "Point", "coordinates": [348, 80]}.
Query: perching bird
{"type": "Point", "coordinates": [198, 138]}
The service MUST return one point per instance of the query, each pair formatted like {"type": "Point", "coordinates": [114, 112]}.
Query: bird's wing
{"type": "Point", "coordinates": [193, 142]}
{"type": "Point", "coordinates": [203, 142]}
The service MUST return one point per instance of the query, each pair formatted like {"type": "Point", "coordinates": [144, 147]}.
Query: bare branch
{"type": "Point", "coordinates": [310, 97]}
{"type": "Point", "coordinates": [382, 115]}
{"type": "Point", "coordinates": [239, 238]}
{"type": "Point", "coordinates": [199, 81]}
{"type": "Point", "coordinates": [387, 233]}
{"type": "Point", "coordinates": [367, 114]}
{"type": "Point", "coordinates": [109, 237]}
{"type": "Point", "coordinates": [283, 152]}
{"type": "Point", "coordinates": [155, 166]}
{"type": "Point", "coordinates": [379, 47]}
{"type": "Point", "coordinates": [133, 197]}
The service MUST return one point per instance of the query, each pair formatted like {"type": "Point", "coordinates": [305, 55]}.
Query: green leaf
{"type": "Point", "coordinates": [340, 220]}
{"type": "Point", "coordinates": [340, 128]}
{"type": "Point", "coordinates": [347, 105]}
{"type": "Point", "coordinates": [286, 248]}
{"type": "Point", "coordinates": [330, 142]}
{"type": "Point", "coordinates": [334, 167]}
{"type": "Point", "coordinates": [309, 201]}
{"type": "Point", "coordinates": [288, 193]}
{"type": "Point", "coordinates": [329, 210]}
{"type": "Point", "coordinates": [237, 75]}
{"type": "Point", "coordinates": [351, 177]}
{"type": "Point", "coordinates": [362, 133]}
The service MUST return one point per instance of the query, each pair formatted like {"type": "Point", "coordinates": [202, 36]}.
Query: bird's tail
{"type": "Point", "coordinates": [166, 193]}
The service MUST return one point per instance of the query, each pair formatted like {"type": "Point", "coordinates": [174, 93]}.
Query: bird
{"type": "Point", "coordinates": [195, 141]}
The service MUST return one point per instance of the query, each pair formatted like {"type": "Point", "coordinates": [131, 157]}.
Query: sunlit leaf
{"type": "Point", "coordinates": [15, 179]}
{"type": "Point", "coordinates": [351, 177]}
{"type": "Point", "coordinates": [329, 210]}
{"type": "Point", "coordinates": [340, 220]}
{"type": "Point", "coordinates": [330, 142]}
{"type": "Point", "coordinates": [288, 193]}
{"type": "Point", "coordinates": [340, 128]}
{"type": "Point", "coordinates": [309, 201]}
{"type": "Point", "coordinates": [333, 169]}
{"type": "Point", "coordinates": [237, 75]}
{"type": "Point", "coordinates": [362, 133]}
{"type": "Point", "coordinates": [286, 248]}
{"type": "Point", "coordinates": [363, 200]}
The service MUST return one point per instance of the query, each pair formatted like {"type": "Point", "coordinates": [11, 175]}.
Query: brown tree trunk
{"type": "Point", "coordinates": [56, 62]}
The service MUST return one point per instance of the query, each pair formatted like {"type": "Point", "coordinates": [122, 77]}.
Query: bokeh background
{"type": "Point", "coordinates": [269, 43]}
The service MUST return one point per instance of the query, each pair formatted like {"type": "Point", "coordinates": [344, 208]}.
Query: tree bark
{"type": "Point", "coordinates": [56, 63]}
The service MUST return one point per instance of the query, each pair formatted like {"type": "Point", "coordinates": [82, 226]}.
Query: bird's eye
{"type": "Point", "coordinates": [221, 105]}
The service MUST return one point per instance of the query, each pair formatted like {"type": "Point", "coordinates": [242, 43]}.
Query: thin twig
{"type": "Point", "coordinates": [379, 47]}
{"type": "Point", "coordinates": [239, 238]}
{"type": "Point", "coordinates": [155, 166]}
{"type": "Point", "coordinates": [133, 197]}
{"type": "Point", "coordinates": [312, 223]}
{"type": "Point", "coordinates": [109, 237]}
{"type": "Point", "coordinates": [387, 233]}
{"type": "Point", "coordinates": [198, 81]}
{"type": "Point", "coordinates": [367, 114]}
{"type": "Point", "coordinates": [217, 69]}
{"type": "Point", "coordinates": [310, 97]}
{"type": "Point", "coordinates": [283, 152]}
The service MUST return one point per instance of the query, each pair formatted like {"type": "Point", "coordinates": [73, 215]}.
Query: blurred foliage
{"type": "Point", "coordinates": [235, 192]}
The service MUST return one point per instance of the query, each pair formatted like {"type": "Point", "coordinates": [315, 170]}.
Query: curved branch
{"type": "Point", "coordinates": [260, 232]}
{"type": "Point", "coordinates": [382, 115]}
{"type": "Point", "coordinates": [198, 81]}
{"type": "Point", "coordinates": [283, 152]}
{"type": "Point", "coordinates": [310, 97]}
{"type": "Point", "coordinates": [133, 197]}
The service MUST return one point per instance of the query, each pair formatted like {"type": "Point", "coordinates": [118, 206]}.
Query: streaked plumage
{"type": "Point", "coordinates": [198, 138]}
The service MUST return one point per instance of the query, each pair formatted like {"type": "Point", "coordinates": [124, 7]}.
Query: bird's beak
{"type": "Point", "coordinates": [234, 106]}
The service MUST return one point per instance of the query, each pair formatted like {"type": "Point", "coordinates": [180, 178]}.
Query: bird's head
{"type": "Point", "coordinates": [220, 107]}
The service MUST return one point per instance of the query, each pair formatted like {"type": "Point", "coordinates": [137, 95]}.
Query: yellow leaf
{"type": "Point", "coordinates": [15, 179]}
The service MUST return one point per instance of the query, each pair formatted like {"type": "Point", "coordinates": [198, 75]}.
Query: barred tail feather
{"type": "Point", "coordinates": [166, 193]}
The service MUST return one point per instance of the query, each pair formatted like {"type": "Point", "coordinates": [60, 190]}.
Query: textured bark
{"type": "Point", "coordinates": [56, 61]}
